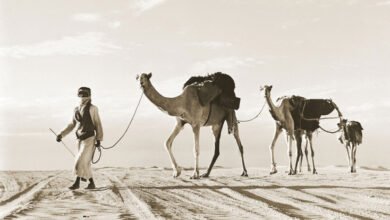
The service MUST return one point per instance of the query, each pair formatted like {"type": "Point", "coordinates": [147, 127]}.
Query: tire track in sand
{"type": "Point", "coordinates": [137, 207]}
{"type": "Point", "coordinates": [18, 200]}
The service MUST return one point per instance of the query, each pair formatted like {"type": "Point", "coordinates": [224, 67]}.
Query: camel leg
{"type": "Point", "coordinates": [307, 152]}
{"type": "Point", "coordinates": [289, 123]}
{"type": "Point", "coordinates": [310, 139]}
{"type": "Point", "coordinates": [353, 153]}
{"type": "Point", "coordinates": [298, 138]}
{"type": "Point", "coordinates": [289, 139]}
{"type": "Point", "coordinates": [301, 160]}
{"type": "Point", "coordinates": [348, 154]}
{"type": "Point", "coordinates": [217, 129]}
{"type": "Point", "coordinates": [196, 130]}
{"type": "Point", "coordinates": [241, 148]}
{"type": "Point", "coordinates": [168, 146]}
{"type": "Point", "coordinates": [278, 130]}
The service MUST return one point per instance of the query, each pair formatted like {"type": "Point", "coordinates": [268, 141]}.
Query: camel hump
{"type": "Point", "coordinates": [354, 130]}
{"type": "Point", "coordinates": [355, 124]}
{"type": "Point", "coordinates": [315, 108]}
{"type": "Point", "coordinates": [223, 82]}
{"type": "Point", "coordinates": [297, 104]}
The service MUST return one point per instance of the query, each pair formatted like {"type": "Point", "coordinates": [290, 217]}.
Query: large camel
{"type": "Point", "coordinates": [297, 116]}
{"type": "Point", "coordinates": [187, 108]}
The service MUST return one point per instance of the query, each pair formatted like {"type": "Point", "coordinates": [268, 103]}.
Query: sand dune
{"type": "Point", "coordinates": [151, 193]}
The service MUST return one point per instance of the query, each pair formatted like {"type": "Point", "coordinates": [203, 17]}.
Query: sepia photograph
{"type": "Point", "coordinates": [194, 109]}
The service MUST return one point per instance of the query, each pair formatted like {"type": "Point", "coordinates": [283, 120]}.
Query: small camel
{"type": "Point", "coordinates": [289, 115]}
{"type": "Point", "coordinates": [351, 136]}
{"type": "Point", "coordinates": [187, 109]}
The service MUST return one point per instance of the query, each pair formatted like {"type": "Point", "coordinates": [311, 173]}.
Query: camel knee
{"type": "Point", "coordinates": [168, 145]}
{"type": "Point", "coordinates": [241, 149]}
{"type": "Point", "coordinates": [300, 152]}
{"type": "Point", "coordinates": [196, 152]}
{"type": "Point", "coordinates": [271, 147]}
{"type": "Point", "coordinates": [312, 153]}
{"type": "Point", "coordinates": [306, 152]}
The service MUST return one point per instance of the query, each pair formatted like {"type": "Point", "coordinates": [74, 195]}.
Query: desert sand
{"type": "Point", "coordinates": [151, 193]}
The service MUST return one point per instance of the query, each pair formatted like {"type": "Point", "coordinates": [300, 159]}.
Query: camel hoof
{"type": "Point", "coordinates": [205, 175]}
{"type": "Point", "coordinates": [273, 172]}
{"type": "Point", "coordinates": [177, 173]}
{"type": "Point", "coordinates": [315, 172]}
{"type": "Point", "coordinates": [194, 177]}
{"type": "Point", "coordinates": [308, 169]}
{"type": "Point", "coordinates": [291, 172]}
{"type": "Point", "coordinates": [244, 173]}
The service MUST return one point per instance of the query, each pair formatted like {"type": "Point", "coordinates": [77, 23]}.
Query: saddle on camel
{"type": "Point", "coordinates": [307, 112]}
{"type": "Point", "coordinates": [217, 88]}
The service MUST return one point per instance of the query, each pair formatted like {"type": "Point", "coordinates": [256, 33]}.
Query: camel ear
{"type": "Point", "coordinates": [207, 93]}
{"type": "Point", "coordinates": [149, 75]}
{"type": "Point", "coordinates": [270, 87]}
{"type": "Point", "coordinates": [261, 88]}
{"type": "Point", "coordinates": [137, 77]}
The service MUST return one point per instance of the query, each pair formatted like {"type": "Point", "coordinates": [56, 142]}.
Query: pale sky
{"type": "Point", "coordinates": [317, 49]}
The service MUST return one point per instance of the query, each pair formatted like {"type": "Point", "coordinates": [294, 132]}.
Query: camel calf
{"type": "Point", "coordinates": [351, 136]}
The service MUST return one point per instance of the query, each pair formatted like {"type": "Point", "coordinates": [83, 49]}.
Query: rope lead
{"type": "Point", "coordinates": [124, 133]}
{"type": "Point", "coordinates": [256, 116]}
{"type": "Point", "coordinates": [330, 132]}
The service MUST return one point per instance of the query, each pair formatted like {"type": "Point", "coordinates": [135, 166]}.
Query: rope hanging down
{"type": "Point", "coordinates": [330, 132]}
{"type": "Point", "coordinates": [318, 119]}
{"type": "Point", "coordinates": [120, 138]}
{"type": "Point", "coordinates": [258, 114]}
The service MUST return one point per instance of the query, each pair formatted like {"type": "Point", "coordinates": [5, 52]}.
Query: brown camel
{"type": "Point", "coordinates": [299, 134]}
{"type": "Point", "coordinates": [351, 137]}
{"type": "Point", "coordinates": [187, 108]}
{"type": "Point", "coordinates": [297, 116]}
{"type": "Point", "coordinates": [284, 120]}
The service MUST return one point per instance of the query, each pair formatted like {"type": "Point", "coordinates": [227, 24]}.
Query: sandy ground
{"type": "Point", "coordinates": [151, 193]}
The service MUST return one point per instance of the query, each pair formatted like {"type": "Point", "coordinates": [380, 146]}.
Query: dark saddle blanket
{"type": "Point", "coordinates": [217, 87]}
{"type": "Point", "coordinates": [305, 111]}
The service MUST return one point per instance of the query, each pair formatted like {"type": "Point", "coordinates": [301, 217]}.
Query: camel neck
{"type": "Point", "coordinates": [168, 105]}
{"type": "Point", "coordinates": [271, 105]}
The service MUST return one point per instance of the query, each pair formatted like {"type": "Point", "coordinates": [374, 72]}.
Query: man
{"type": "Point", "coordinates": [89, 134]}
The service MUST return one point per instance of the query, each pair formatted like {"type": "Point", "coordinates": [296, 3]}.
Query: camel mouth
{"type": "Point", "coordinates": [265, 88]}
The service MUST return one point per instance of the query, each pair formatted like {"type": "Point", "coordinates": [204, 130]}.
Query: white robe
{"type": "Point", "coordinates": [82, 167]}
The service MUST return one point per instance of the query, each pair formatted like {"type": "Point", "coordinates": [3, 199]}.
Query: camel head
{"type": "Point", "coordinates": [342, 123]}
{"type": "Point", "coordinates": [266, 88]}
{"type": "Point", "coordinates": [144, 79]}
